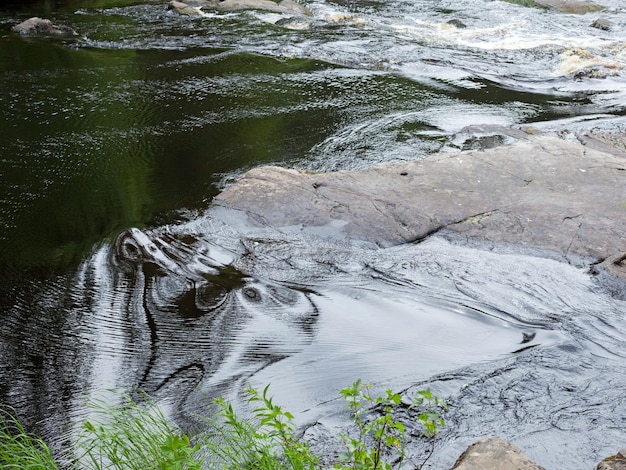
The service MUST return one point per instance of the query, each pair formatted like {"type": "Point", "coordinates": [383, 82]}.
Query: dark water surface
{"type": "Point", "coordinates": [117, 271]}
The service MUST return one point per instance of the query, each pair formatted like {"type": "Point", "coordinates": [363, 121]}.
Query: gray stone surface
{"type": "Point", "coordinates": [185, 9]}
{"type": "Point", "coordinates": [542, 192]}
{"type": "Point", "coordinates": [494, 454]}
{"type": "Point", "coordinates": [283, 6]}
{"type": "Point", "coordinates": [603, 24]}
{"type": "Point", "coordinates": [569, 6]}
{"type": "Point", "coordinates": [36, 26]}
{"type": "Point", "coordinates": [614, 462]}
{"type": "Point", "coordinates": [195, 7]}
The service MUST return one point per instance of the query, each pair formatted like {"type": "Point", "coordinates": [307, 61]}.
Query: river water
{"type": "Point", "coordinates": [119, 272]}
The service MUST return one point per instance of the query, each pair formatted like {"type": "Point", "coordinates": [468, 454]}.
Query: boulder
{"type": "Point", "coordinates": [36, 26]}
{"type": "Point", "coordinates": [541, 191]}
{"type": "Point", "coordinates": [565, 6]}
{"type": "Point", "coordinates": [456, 23]}
{"type": "Point", "coordinates": [290, 7]}
{"type": "Point", "coordinates": [614, 462]}
{"type": "Point", "coordinates": [494, 454]}
{"type": "Point", "coordinates": [569, 6]}
{"type": "Point", "coordinates": [603, 24]}
{"type": "Point", "coordinates": [185, 9]}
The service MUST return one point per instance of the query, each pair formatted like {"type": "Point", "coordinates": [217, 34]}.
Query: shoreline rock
{"type": "Point", "coordinates": [614, 462]}
{"type": "Point", "coordinates": [494, 454]}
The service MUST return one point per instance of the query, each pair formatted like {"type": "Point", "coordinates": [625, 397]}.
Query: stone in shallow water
{"type": "Point", "coordinates": [565, 6]}
{"type": "Point", "coordinates": [569, 6]}
{"type": "Point", "coordinates": [494, 454]}
{"type": "Point", "coordinates": [185, 9]}
{"type": "Point", "coordinates": [36, 26]}
{"type": "Point", "coordinates": [603, 24]}
{"type": "Point", "coordinates": [283, 6]}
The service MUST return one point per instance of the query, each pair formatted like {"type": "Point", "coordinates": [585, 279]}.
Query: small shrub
{"type": "Point", "coordinates": [380, 435]}
{"type": "Point", "coordinates": [430, 407]}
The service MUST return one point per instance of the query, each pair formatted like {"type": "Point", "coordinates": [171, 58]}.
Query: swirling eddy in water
{"type": "Point", "coordinates": [202, 323]}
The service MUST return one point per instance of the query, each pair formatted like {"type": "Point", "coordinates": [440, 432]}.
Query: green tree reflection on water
{"type": "Point", "coordinates": [47, 6]}
{"type": "Point", "coordinates": [96, 139]}
{"type": "Point", "coordinates": [72, 174]}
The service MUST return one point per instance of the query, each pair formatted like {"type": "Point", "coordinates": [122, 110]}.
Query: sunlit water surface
{"type": "Point", "coordinates": [144, 116]}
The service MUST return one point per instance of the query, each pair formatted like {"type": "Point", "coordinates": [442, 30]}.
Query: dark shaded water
{"type": "Point", "coordinates": [118, 272]}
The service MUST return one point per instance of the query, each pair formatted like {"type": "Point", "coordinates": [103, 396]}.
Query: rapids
{"type": "Point", "coordinates": [119, 272]}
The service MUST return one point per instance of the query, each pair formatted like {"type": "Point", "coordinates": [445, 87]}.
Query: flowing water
{"type": "Point", "coordinates": [119, 272]}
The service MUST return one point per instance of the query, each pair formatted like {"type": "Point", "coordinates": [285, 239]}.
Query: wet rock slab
{"type": "Point", "coordinates": [541, 192]}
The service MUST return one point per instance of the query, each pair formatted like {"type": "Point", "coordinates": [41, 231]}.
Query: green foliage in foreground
{"type": "Point", "coordinates": [267, 441]}
{"type": "Point", "coordinates": [131, 436]}
{"type": "Point", "coordinates": [20, 450]}
{"type": "Point", "coordinates": [134, 437]}
{"type": "Point", "coordinates": [386, 434]}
